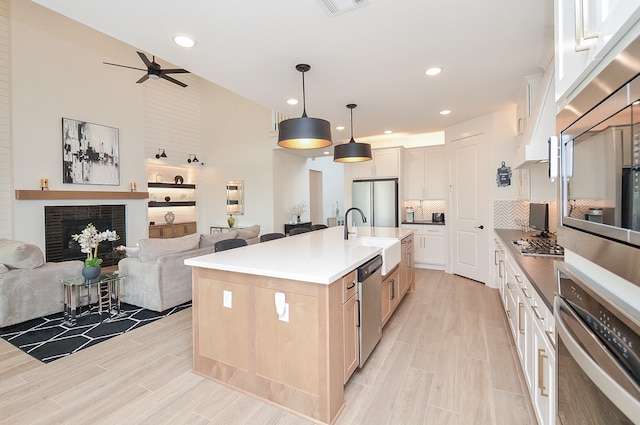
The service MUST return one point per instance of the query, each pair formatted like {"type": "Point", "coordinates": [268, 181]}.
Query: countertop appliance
{"type": "Point", "coordinates": [378, 200]}
{"type": "Point", "coordinates": [410, 215]}
{"type": "Point", "coordinates": [369, 298]}
{"type": "Point", "coordinates": [598, 355]}
{"type": "Point", "coordinates": [539, 248]}
{"type": "Point", "coordinates": [437, 217]}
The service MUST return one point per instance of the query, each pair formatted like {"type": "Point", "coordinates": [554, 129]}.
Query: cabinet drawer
{"type": "Point", "coordinates": [433, 230]}
{"type": "Point", "coordinates": [349, 286]}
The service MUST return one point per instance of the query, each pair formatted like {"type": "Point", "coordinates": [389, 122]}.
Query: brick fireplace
{"type": "Point", "coordinates": [63, 221]}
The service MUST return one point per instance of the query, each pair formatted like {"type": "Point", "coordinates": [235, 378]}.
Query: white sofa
{"type": "Point", "coordinates": [157, 278]}
{"type": "Point", "coordinates": [29, 287]}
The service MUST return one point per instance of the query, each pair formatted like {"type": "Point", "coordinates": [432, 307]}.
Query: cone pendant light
{"type": "Point", "coordinates": [352, 151]}
{"type": "Point", "coordinates": [304, 132]}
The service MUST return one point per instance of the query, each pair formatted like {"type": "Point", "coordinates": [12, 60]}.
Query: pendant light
{"type": "Point", "coordinates": [352, 151]}
{"type": "Point", "coordinates": [304, 132]}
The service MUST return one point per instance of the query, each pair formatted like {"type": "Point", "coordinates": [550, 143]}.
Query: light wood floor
{"type": "Point", "coordinates": [445, 358]}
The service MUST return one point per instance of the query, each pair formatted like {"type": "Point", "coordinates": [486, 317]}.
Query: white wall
{"type": "Point", "coordinates": [332, 184]}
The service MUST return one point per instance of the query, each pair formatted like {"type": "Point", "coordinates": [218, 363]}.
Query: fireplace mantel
{"type": "Point", "coordinates": [78, 194]}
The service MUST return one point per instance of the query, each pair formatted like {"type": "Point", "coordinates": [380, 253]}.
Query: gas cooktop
{"type": "Point", "coordinates": [539, 248]}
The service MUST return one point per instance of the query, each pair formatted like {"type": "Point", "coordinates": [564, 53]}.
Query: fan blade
{"type": "Point", "coordinates": [175, 71]}
{"type": "Point", "coordinates": [173, 80]}
{"type": "Point", "coordinates": [124, 66]}
{"type": "Point", "coordinates": [145, 59]}
{"type": "Point", "coordinates": [143, 79]}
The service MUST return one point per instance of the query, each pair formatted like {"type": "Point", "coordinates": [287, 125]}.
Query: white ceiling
{"type": "Point", "coordinates": [374, 55]}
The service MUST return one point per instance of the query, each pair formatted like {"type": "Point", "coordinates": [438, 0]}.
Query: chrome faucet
{"type": "Point", "coordinates": [346, 221]}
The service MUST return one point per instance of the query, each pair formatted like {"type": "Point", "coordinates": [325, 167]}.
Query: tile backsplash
{"type": "Point", "coordinates": [515, 215]}
{"type": "Point", "coordinates": [423, 209]}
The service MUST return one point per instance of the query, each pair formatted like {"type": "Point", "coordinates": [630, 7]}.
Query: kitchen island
{"type": "Point", "coordinates": [292, 356]}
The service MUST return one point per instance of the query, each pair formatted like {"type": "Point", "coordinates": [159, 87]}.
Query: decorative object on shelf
{"type": "Point", "coordinates": [352, 151]}
{"type": "Point", "coordinates": [297, 210]}
{"type": "Point", "coordinates": [169, 217]}
{"type": "Point", "coordinates": [91, 272]}
{"type": "Point", "coordinates": [161, 154]}
{"type": "Point", "coordinates": [158, 178]}
{"type": "Point", "coordinates": [133, 186]}
{"type": "Point", "coordinates": [231, 221]}
{"type": "Point", "coordinates": [84, 145]}
{"type": "Point", "coordinates": [304, 132]}
{"type": "Point", "coordinates": [89, 241]}
{"type": "Point", "coordinates": [44, 184]}
{"type": "Point", "coordinates": [167, 198]}
{"type": "Point", "coordinates": [178, 179]}
{"type": "Point", "coordinates": [192, 158]}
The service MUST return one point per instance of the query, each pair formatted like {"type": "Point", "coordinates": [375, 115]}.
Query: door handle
{"type": "Point", "coordinates": [480, 227]}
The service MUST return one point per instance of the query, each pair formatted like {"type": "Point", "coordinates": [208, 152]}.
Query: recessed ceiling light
{"type": "Point", "coordinates": [433, 71]}
{"type": "Point", "coordinates": [184, 40]}
{"type": "Point", "coordinates": [445, 112]}
{"type": "Point", "coordinates": [292, 101]}
{"type": "Point", "coordinates": [388, 131]}
{"type": "Point", "coordinates": [326, 153]}
{"type": "Point", "coordinates": [340, 127]}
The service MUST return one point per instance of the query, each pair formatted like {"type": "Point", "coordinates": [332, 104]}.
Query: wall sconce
{"type": "Point", "coordinates": [161, 155]}
{"type": "Point", "coordinates": [192, 158]}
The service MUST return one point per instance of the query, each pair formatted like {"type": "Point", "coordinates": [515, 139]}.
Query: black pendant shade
{"type": "Point", "coordinates": [304, 132]}
{"type": "Point", "coordinates": [352, 151]}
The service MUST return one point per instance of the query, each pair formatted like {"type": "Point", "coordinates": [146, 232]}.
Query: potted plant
{"type": "Point", "coordinates": [89, 241]}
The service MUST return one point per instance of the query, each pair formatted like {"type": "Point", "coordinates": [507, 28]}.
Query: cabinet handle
{"type": "Point", "coordinates": [495, 257]}
{"type": "Point", "coordinates": [541, 359]}
{"type": "Point", "coordinates": [520, 314]}
{"type": "Point", "coordinates": [393, 289]}
{"type": "Point", "coordinates": [535, 311]}
{"type": "Point", "coordinates": [351, 286]}
{"type": "Point", "coordinates": [501, 268]}
{"type": "Point", "coordinates": [509, 314]}
{"type": "Point", "coordinates": [551, 339]}
{"type": "Point", "coordinates": [517, 276]}
{"type": "Point", "coordinates": [524, 291]}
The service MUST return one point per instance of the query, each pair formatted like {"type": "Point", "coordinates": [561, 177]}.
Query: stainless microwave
{"type": "Point", "coordinates": [600, 168]}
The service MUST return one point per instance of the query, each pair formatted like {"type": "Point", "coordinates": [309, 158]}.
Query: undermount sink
{"type": "Point", "coordinates": [391, 250]}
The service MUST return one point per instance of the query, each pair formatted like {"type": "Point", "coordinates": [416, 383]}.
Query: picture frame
{"type": "Point", "coordinates": [90, 153]}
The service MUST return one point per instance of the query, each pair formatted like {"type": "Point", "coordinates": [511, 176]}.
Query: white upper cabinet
{"type": "Point", "coordinates": [585, 31]}
{"type": "Point", "coordinates": [425, 173]}
{"type": "Point", "coordinates": [385, 163]}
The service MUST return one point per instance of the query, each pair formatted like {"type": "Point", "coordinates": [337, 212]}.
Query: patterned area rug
{"type": "Point", "coordinates": [49, 338]}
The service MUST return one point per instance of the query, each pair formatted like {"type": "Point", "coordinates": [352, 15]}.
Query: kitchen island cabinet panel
{"type": "Point", "coordinates": [298, 365]}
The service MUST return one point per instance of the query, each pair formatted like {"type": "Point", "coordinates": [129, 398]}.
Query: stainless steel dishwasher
{"type": "Point", "coordinates": [369, 307]}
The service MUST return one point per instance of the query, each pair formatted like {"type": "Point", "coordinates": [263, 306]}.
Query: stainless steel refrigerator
{"type": "Point", "coordinates": [378, 199]}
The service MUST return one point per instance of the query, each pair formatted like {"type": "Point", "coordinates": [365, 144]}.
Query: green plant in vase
{"type": "Point", "coordinates": [89, 241]}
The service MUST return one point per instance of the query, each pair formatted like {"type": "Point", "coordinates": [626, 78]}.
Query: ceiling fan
{"type": "Point", "coordinates": [154, 71]}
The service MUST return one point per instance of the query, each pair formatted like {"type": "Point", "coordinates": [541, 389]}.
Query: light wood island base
{"type": "Point", "coordinates": [296, 365]}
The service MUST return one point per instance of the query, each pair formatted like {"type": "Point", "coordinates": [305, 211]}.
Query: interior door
{"type": "Point", "coordinates": [470, 241]}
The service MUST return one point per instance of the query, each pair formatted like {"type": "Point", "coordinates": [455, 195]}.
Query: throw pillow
{"type": "Point", "coordinates": [249, 233]}
{"type": "Point", "coordinates": [132, 251]}
{"type": "Point", "coordinates": [151, 249]}
{"type": "Point", "coordinates": [20, 255]}
{"type": "Point", "coordinates": [210, 240]}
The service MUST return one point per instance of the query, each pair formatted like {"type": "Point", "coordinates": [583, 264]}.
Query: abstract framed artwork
{"type": "Point", "coordinates": [90, 153]}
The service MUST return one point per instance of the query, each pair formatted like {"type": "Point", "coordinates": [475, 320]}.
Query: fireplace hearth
{"type": "Point", "coordinates": [63, 221]}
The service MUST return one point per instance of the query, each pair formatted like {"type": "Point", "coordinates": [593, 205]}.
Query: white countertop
{"type": "Point", "coordinates": [321, 256]}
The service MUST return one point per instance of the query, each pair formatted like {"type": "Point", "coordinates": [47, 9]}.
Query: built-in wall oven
{"type": "Point", "coordinates": [598, 355]}
{"type": "Point", "coordinates": [600, 167]}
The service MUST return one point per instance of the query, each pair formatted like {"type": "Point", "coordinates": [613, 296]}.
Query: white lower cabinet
{"type": "Point", "coordinates": [531, 324]}
{"type": "Point", "coordinates": [428, 246]}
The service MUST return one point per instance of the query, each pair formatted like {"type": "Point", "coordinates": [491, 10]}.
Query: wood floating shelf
{"type": "Point", "coordinates": [172, 204]}
{"type": "Point", "coordinates": [77, 194]}
{"type": "Point", "coordinates": [171, 185]}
